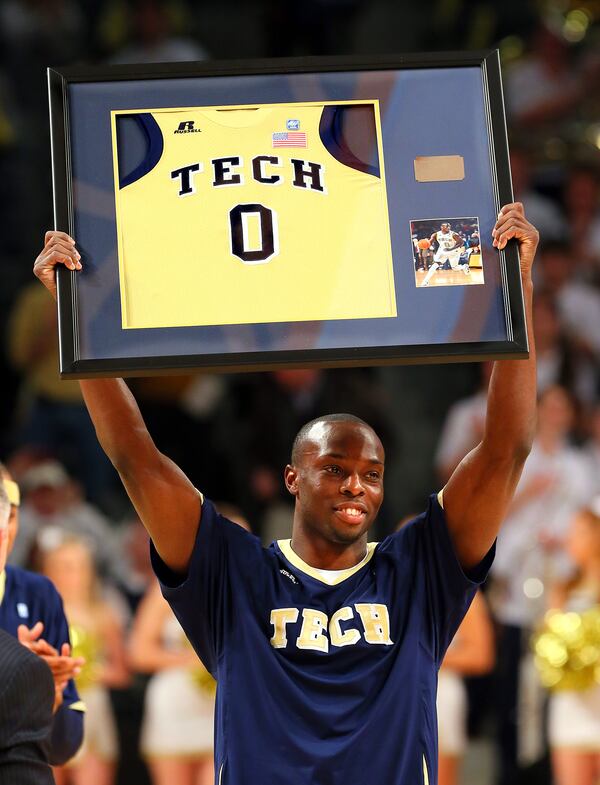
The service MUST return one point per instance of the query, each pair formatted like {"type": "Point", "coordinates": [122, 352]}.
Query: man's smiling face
{"type": "Point", "coordinates": [337, 479]}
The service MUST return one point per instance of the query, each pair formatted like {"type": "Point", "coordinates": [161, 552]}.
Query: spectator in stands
{"type": "Point", "coordinates": [33, 35]}
{"type": "Point", "coordinates": [96, 633]}
{"type": "Point", "coordinates": [53, 499]}
{"type": "Point", "coordinates": [592, 446]}
{"type": "Point", "coordinates": [558, 362]}
{"type": "Point", "coordinates": [582, 206]}
{"type": "Point", "coordinates": [463, 428]}
{"type": "Point", "coordinates": [578, 303]}
{"type": "Point", "coordinates": [53, 417]}
{"type": "Point", "coordinates": [545, 213]}
{"type": "Point", "coordinates": [134, 574]}
{"type": "Point", "coordinates": [312, 27]}
{"type": "Point", "coordinates": [574, 715]}
{"type": "Point", "coordinates": [30, 606]}
{"type": "Point", "coordinates": [471, 653]}
{"type": "Point", "coordinates": [154, 39]}
{"type": "Point", "coordinates": [543, 87]}
{"type": "Point", "coordinates": [177, 731]}
{"type": "Point", "coordinates": [530, 553]}
{"type": "Point", "coordinates": [183, 412]}
{"type": "Point", "coordinates": [28, 697]}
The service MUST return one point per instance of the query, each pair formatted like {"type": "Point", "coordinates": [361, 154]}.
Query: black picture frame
{"type": "Point", "coordinates": [76, 362]}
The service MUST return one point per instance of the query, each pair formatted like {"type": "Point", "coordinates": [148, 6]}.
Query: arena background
{"type": "Point", "coordinates": [232, 434]}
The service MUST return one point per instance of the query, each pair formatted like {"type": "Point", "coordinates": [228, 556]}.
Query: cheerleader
{"type": "Point", "coordinates": [471, 653]}
{"type": "Point", "coordinates": [96, 634]}
{"type": "Point", "coordinates": [574, 714]}
{"type": "Point", "coordinates": [177, 730]}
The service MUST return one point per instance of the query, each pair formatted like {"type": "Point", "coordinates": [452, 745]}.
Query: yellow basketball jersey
{"type": "Point", "coordinates": [242, 215]}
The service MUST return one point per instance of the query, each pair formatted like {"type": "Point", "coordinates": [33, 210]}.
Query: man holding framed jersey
{"type": "Point", "coordinates": [325, 647]}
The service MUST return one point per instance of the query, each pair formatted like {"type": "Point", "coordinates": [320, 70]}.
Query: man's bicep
{"type": "Point", "coordinates": [200, 595]}
{"type": "Point", "coordinates": [168, 505]}
{"type": "Point", "coordinates": [476, 500]}
{"type": "Point", "coordinates": [447, 586]}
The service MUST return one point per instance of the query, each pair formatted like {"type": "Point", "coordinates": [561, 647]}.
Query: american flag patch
{"type": "Point", "coordinates": [289, 139]}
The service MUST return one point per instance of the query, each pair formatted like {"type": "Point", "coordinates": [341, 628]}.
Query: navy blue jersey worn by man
{"type": "Point", "coordinates": [326, 647]}
{"type": "Point", "coordinates": [337, 669]}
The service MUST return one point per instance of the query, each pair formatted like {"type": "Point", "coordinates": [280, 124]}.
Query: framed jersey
{"type": "Point", "coordinates": [235, 200]}
{"type": "Point", "coordinates": [258, 215]}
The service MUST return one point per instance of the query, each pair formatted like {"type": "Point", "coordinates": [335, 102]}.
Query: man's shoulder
{"type": "Point", "coordinates": [31, 582]}
{"type": "Point", "coordinates": [33, 596]}
{"type": "Point", "coordinates": [406, 536]}
{"type": "Point", "coordinates": [225, 527]}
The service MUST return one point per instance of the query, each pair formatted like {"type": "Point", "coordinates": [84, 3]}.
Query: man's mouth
{"type": "Point", "coordinates": [350, 513]}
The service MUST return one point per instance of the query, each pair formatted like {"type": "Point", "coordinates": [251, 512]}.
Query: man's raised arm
{"type": "Point", "coordinates": [166, 501]}
{"type": "Point", "coordinates": [478, 493]}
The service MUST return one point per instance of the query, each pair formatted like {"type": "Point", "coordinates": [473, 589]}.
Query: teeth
{"type": "Point", "coordinates": [352, 511]}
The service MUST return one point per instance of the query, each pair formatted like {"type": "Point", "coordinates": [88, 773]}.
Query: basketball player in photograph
{"type": "Point", "coordinates": [450, 248]}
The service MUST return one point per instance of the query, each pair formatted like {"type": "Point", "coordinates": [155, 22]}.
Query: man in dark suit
{"type": "Point", "coordinates": [28, 699]}
{"type": "Point", "coordinates": [29, 607]}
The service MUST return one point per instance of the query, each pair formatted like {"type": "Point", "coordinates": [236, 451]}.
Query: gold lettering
{"type": "Point", "coordinates": [339, 638]}
{"type": "Point", "coordinates": [311, 633]}
{"type": "Point", "coordinates": [280, 617]}
{"type": "Point", "coordinates": [376, 621]}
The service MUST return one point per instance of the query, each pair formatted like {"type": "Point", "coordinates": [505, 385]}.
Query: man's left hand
{"type": "Point", "coordinates": [511, 224]}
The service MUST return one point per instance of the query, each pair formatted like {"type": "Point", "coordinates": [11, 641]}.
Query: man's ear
{"type": "Point", "coordinates": [290, 476]}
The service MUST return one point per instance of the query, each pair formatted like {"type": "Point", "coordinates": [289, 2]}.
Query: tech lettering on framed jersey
{"type": "Point", "coordinates": [251, 214]}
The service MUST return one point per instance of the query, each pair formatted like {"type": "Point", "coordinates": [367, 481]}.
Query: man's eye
{"type": "Point", "coordinates": [333, 469]}
{"type": "Point", "coordinates": [374, 476]}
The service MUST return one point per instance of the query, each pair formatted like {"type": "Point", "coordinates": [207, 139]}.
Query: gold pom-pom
{"type": "Point", "coordinates": [567, 650]}
{"type": "Point", "coordinates": [86, 645]}
{"type": "Point", "coordinates": [203, 680]}
{"type": "Point", "coordinates": [199, 676]}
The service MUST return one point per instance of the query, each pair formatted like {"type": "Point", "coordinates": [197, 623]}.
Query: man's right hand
{"type": "Point", "coordinates": [62, 664]}
{"type": "Point", "coordinates": [58, 248]}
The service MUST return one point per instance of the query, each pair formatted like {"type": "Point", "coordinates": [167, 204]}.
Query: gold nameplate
{"type": "Point", "coordinates": [438, 168]}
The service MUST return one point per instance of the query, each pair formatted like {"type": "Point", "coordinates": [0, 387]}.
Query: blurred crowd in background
{"type": "Point", "coordinates": [232, 434]}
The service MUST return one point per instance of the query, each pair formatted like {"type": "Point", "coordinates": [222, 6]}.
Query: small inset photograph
{"type": "Point", "coordinates": [447, 252]}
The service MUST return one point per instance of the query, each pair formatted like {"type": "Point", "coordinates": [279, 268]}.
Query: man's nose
{"type": "Point", "coordinates": [352, 484]}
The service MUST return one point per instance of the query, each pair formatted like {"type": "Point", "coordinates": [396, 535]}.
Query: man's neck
{"type": "Point", "coordinates": [325, 555]}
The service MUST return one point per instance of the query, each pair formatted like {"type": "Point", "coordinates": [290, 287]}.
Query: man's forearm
{"type": "Point", "coordinates": [66, 735]}
{"type": "Point", "coordinates": [166, 501]}
{"type": "Point", "coordinates": [479, 492]}
{"type": "Point", "coordinates": [117, 419]}
{"type": "Point", "coordinates": [512, 398]}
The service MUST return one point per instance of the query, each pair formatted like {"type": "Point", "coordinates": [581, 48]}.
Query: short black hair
{"type": "Point", "coordinates": [302, 434]}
